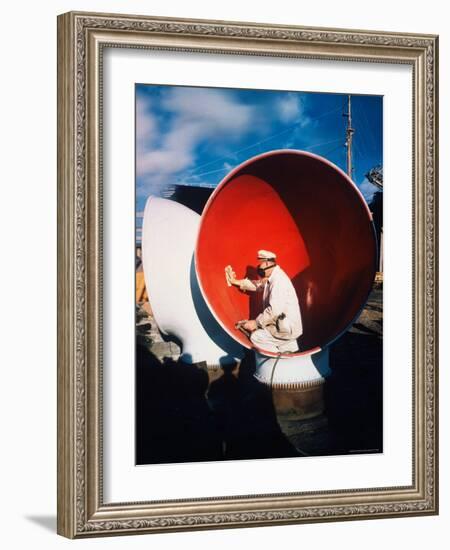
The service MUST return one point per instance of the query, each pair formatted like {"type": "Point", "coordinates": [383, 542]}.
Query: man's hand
{"type": "Point", "coordinates": [251, 325]}
{"type": "Point", "coordinates": [245, 285]}
{"type": "Point", "coordinates": [230, 276]}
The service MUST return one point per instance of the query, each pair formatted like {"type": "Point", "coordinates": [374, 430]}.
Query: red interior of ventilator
{"type": "Point", "coordinates": [310, 214]}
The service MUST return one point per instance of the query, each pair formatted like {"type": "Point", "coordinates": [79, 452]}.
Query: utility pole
{"type": "Point", "coordinates": [349, 136]}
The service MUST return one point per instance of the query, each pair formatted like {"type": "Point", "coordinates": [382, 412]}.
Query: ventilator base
{"type": "Point", "coordinates": [297, 382]}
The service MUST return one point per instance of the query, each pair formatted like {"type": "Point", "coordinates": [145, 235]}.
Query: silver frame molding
{"type": "Point", "coordinates": [81, 38]}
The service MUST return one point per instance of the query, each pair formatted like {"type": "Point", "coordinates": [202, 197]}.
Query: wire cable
{"type": "Point", "coordinates": [285, 130]}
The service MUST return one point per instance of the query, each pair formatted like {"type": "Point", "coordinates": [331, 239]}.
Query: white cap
{"type": "Point", "coordinates": [266, 255]}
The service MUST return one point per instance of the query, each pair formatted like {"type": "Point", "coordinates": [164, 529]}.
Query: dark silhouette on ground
{"type": "Point", "coordinates": [180, 419]}
{"type": "Point", "coordinates": [354, 394]}
{"type": "Point", "coordinates": [246, 416]}
{"type": "Point", "coordinates": [174, 420]}
{"type": "Point", "coordinates": [184, 415]}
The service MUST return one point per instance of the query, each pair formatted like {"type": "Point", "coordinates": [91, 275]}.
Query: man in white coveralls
{"type": "Point", "coordinates": [278, 326]}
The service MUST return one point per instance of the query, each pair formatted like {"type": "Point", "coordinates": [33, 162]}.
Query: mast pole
{"type": "Point", "coordinates": [349, 135]}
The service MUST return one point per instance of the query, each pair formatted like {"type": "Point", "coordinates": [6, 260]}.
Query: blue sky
{"type": "Point", "coordinates": [195, 136]}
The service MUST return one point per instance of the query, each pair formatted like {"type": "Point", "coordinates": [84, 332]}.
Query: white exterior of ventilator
{"type": "Point", "coordinates": [296, 372]}
{"type": "Point", "coordinates": [169, 232]}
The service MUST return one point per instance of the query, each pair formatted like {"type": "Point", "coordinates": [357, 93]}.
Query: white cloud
{"type": "Point", "coordinates": [290, 109]}
{"type": "Point", "coordinates": [288, 144]}
{"type": "Point", "coordinates": [146, 124]}
{"type": "Point", "coordinates": [197, 115]}
{"type": "Point", "coordinates": [214, 110]}
{"type": "Point", "coordinates": [368, 189]}
{"type": "Point", "coordinates": [162, 161]}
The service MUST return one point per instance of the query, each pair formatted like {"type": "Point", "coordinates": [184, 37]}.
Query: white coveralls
{"type": "Point", "coordinates": [277, 334]}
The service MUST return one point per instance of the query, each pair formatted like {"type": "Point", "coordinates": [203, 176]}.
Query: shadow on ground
{"type": "Point", "coordinates": [185, 415]}
{"type": "Point", "coordinates": [46, 522]}
{"type": "Point", "coordinates": [182, 418]}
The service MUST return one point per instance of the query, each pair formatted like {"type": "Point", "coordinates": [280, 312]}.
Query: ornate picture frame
{"type": "Point", "coordinates": [82, 40]}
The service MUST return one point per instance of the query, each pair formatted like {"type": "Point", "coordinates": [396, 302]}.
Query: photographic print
{"type": "Point", "coordinates": [222, 309]}
{"type": "Point", "coordinates": [259, 274]}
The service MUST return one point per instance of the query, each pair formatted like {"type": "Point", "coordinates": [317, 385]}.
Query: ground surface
{"type": "Point", "coordinates": [185, 414]}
